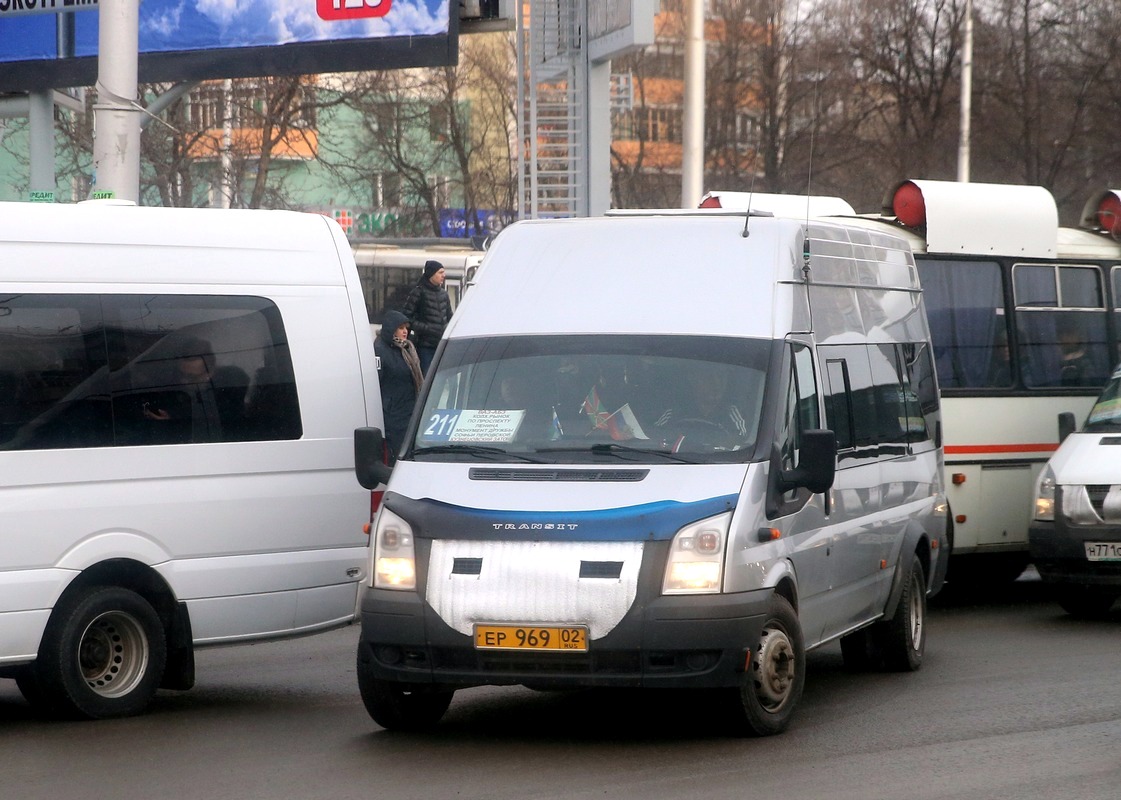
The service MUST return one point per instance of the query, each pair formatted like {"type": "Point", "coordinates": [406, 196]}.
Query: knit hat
{"type": "Point", "coordinates": [431, 268]}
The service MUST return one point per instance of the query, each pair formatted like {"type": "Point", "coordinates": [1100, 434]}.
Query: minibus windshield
{"type": "Point", "coordinates": [1105, 416]}
{"type": "Point", "coordinates": [594, 398]}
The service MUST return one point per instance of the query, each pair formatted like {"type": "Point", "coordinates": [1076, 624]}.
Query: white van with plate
{"type": "Point", "coordinates": [1075, 534]}
{"type": "Point", "coordinates": [662, 449]}
{"type": "Point", "coordinates": [179, 390]}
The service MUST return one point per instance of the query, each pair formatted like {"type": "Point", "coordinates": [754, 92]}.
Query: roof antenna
{"type": "Point", "coordinates": [751, 188]}
{"type": "Point", "coordinates": [806, 273]}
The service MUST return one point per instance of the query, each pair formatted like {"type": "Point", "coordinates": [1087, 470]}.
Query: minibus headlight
{"type": "Point", "coordinates": [696, 557]}
{"type": "Point", "coordinates": [394, 557]}
{"type": "Point", "coordinates": [1045, 495]}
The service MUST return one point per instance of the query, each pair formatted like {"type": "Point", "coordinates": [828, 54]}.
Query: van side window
{"type": "Point", "coordinates": [920, 391]}
{"type": "Point", "coordinates": [879, 398]}
{"type": "Point", "coordinates": [123, 370]}
{"type": "Point", "coordinates": [801, 404]}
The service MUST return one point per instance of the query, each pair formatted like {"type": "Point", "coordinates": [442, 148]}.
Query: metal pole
{"type": "Point", "coordinates": [116, 141]}
{"type": "Point", "coordinates": [693, 127]}
{"type": "Point", "coordinates": [966, 94]}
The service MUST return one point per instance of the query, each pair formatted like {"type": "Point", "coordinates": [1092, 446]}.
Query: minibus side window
{"type": "Point", "coordinates": [801, 404]}
{"type": "Point", "coordinates": [800, 413]}
{"type": "Point", "coordinates": [124, 370]}
{"type": "Point", "coordinates": [54, 390]}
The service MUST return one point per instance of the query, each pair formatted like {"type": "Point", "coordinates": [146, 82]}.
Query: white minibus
{"type": "Point", "coordinates": [662, 449]}
{"type": "Point", "coordinates": [178, 394]}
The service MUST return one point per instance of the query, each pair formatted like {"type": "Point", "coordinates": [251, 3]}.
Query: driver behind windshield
{"type": "Point", "coordinates": [706, 412]}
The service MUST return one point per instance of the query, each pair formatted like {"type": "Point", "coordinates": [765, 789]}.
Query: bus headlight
{"type": "Point", "coordinates": [696, 557]}
{"type": "Point", "coordinates": [394, 557]}
{"type": "Point", "coordinates": [1045, 495]}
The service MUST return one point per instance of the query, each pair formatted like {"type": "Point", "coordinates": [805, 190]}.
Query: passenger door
{"type": "Point", "coordinates": [858, 533]}
{"type": "Point", "coordinates": [798, 514]}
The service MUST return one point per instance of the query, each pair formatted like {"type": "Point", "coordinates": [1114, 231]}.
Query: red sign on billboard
{"type": "Point", "coordinates": [351, 9]}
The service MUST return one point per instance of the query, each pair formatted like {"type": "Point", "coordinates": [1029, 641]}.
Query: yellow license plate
{"type": "Point", "coordinates": [549, 638]}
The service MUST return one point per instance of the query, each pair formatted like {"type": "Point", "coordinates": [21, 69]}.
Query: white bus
{"type": "Point", "coordinates": [1024, 319]}
{"type": "Point", "coordinates": [1024, 316]}
{"type": "Point", "coordinates": [389, 270]}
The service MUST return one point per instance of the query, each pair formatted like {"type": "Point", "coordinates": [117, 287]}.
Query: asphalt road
{"type": "Point", "coordinates": [1015, 700]}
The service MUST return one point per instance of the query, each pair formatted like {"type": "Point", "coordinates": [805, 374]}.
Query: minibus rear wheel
{"type": "Point", "coordinates": [764, 702]}
{"type": "Point", "coordinates": [102, 656]}
{"type": "Point", "coordinates": [903, 637]}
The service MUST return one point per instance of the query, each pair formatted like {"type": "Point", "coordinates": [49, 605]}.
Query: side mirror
{"type": "Point", "coordinates": [369, 458]}
{"type": "Point", "coordinates": [1067, 425]}
{"type": "Point", "coordinates": [817, 463]}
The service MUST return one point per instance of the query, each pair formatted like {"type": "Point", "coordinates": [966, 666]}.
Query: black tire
{"type": "Point", "coordinates": [402, 706]}
{"type": "Point", "coordinates": [1085, 602]}
{"type": "Point", "coordinates": [903, 637]}
{"type": "Point", "coordinates": [862, 651]}
{"type": "Point", "coordinates": [764, 702]}
{"type": "Point", "coordinates": [103, 655]}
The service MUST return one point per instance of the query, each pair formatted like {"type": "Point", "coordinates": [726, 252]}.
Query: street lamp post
{"type": "Point", "coordinates": [116, 115]}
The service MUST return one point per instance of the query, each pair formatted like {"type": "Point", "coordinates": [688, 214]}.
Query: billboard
{"type": "Point", "coordinates": [183, 40]}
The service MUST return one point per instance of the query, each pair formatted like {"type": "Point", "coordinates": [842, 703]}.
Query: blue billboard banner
{"type": "Point", "coordinates": [203, 39]}
{"type": "Point", "coordinates": [453, 222]}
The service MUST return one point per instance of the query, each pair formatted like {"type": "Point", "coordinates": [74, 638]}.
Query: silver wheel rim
{"type": "Point", "coordinates": [113, 654]}
{"type": "Point", "coordinates": [916, 612]}
{"type": "Point", "coordinates": [774, 669]}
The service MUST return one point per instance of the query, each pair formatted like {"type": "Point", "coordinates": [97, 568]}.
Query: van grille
{"type": "Point", "coordinates": [569, 475]}
{"type": "Point", "coordinates": [1097, 494]}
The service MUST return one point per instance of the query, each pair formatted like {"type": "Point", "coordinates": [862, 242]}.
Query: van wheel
{"type": "Point", "coordinates": [401, 706]}
{"type": "Point", "coordinates": [903, 637]}
{"type": "Point", "coordinates": [1085, 602]}
{"type": "Point", "coordinates": [102, 656]}
{"type": "Point", "coordinates": [765, 700]}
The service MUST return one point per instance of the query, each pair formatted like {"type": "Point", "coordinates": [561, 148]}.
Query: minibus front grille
{"type": "Point", "coordinates": [601, 569]}
{"type": "Point", "coordinates": [1097, 494]}
{"type": "Point", "coordinates": [568, 475]}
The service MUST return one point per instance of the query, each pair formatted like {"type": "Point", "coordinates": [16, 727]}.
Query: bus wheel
{"type": "Point", "coordinates": [102, 656]}
{"type": "Point", "coordinates": [402, 706]}
{"type": "Point", "coordinates": [1085, 602]}
{"type": "Point", "coordinates": [772, 686]}
{"type": "Point", "coordinates": [903, 637]}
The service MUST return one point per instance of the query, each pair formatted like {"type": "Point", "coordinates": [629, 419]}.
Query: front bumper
{"type": "Point", "coordinates": [695, 641]}
{"type": "Point", "coordinates": [1059, 553]}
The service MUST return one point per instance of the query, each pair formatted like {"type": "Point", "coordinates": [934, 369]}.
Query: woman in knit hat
{"type": "Point", "coordinates": [400, 378]}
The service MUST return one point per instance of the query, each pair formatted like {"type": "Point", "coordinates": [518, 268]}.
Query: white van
{"type": "Point", "coordinates": [1075, 534]}
{"type": "Point", "coordinates": [668, 449]}
{"type": "Point", "coordinates": [178, 394]}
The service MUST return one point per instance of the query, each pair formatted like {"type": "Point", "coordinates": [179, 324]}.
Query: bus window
{"type": "Point", "coordinates": [965, 305]}
{"type": "Point", "coordinates": [1061, 324]}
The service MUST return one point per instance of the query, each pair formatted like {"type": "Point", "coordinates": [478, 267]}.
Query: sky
{"type": "Point", "coordinates": [173, 25]}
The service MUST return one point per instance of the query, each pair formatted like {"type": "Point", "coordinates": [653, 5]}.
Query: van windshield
{"type": "Point", "coordinates": [558, 399]}
{"type": "Point", "coordinates": [1105, 416]}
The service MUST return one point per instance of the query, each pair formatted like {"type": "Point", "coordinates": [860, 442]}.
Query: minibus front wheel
{"type": "Point", "coordinates": [764, 702]}
{"type": "Point", "coordinates": [401, 706]}
{"type": "Point", "coordinates": [103, 655]}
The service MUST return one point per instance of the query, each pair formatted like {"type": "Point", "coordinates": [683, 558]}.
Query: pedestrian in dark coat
{"type": "Point", "coordinates": [429, 309]}
{"type": "Point", "coordinates": [400, 378]}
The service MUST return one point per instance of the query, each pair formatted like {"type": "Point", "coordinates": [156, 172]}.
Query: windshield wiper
{"type": "Point", "coordinates": [619, 451]}
{"type": "Point", "coordinates": [493, 453]}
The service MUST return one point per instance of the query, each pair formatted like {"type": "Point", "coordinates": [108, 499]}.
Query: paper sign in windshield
{"type": "Point", "coordinates": [456, 425]}
{"type": "Point", "coordinates": [1106, 411]}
